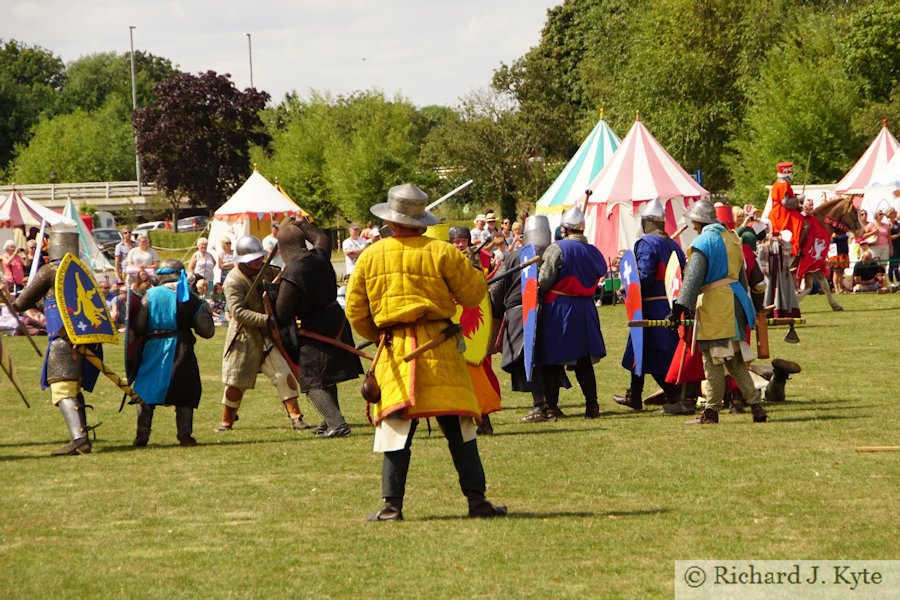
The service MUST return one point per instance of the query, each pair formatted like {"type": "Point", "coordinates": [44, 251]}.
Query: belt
{"type": "Point", "coordinates": [717, 283]}
{"type": "Point", "coordinates": [651, 298]}
{"type": "Point", "coordinates": [161, 333]}
{"type": "Point", "coordinates": [559, 293]}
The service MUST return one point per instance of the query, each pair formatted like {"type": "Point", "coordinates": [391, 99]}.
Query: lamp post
{"type": "Point", "coordinates": [137, 157]}
{"type": "Point", "coordinates": [250, 55]}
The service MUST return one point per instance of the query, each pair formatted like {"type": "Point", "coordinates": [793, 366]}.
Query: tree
{"type": "Point", "coordinates": [195, 138]}
{"type": "Point", "coordinates": [30, 80]}
{"type": "Point", "coordinates": [799, 108]}
{"type": "Point", "coordinates": [338, 155]}
{"type": "Point", "coordinates": [92, 79]}
{"type": "Point", "coordinates": [79, 146]}
{"type": "Point", "coordinates": [870, 48]}
{"type": "Point", "coordinates": [489, 143]}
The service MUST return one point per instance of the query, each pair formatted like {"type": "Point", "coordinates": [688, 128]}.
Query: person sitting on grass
{"type": "Point", "coordinates": [868, 275]}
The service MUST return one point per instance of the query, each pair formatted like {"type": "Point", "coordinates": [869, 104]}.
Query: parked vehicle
{"type": "Point", "coordinates": [149, 226]}
{"type": "Point", "coordinates": [107, 238]}
{"type": "Point", "coordinates": [197, 223]}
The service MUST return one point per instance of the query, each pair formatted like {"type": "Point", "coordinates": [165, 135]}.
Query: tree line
{"type": "Point", "coordinates": [728, 87]}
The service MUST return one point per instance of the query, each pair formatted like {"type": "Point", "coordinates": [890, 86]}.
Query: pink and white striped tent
{"type": "Point", "coordinates": [18, 211]}
{"type": "Point", "coordinates": [641, 170]}
{"type": "Point", "coordinates": [871, 164]}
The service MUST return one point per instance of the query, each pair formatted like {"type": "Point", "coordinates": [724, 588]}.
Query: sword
{"type": "Point", "coordinates": [7, 366]}
{"type": "Point", "coordinates": [690, 322]}
{"type": "Point", "coordinates": [448, 194]}
{"type": "Point", "coordinates": [253, 287]}
{"type": "Point", "coordinates": [514, 270]}
{"type": "Point", "coordinates": [8, 303]}
{"type": "Point", "coordinates": [101, 366]}
{"type": "Point", "coordinates": [112, 376]}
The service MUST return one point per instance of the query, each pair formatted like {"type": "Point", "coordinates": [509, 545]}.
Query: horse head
{"type": "Point", "coordinates": [839, 216]}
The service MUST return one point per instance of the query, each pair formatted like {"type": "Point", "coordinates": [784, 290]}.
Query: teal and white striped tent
{"type": "Point", "coordinates": [90, 249]}
{"type": "Point", "coordinates": [595, 151]}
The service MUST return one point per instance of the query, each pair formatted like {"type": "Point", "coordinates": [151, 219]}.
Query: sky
{"type": "Point", "coordinates": [430, 52]}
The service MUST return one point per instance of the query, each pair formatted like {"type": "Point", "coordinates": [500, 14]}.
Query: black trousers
{"type": "Point", "coordinates": [465, 458]}
{"type": "Point", "coordinates": [671, 390]}
{"type": "Point", "coordinates": [584, 373]}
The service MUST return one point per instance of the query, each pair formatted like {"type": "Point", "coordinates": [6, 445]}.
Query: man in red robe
{"type": "Point", "coordinates": [785, 214]}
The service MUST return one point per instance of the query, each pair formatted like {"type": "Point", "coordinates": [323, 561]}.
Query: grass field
{"type": "Point", "coordinates": [598, 508]}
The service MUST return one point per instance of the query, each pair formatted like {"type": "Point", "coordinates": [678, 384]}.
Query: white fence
{"type": "Point", "coordinates": [59, 192]}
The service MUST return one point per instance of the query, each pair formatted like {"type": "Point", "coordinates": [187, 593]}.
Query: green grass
{"type": "Point", "coordinates": [597, 508]}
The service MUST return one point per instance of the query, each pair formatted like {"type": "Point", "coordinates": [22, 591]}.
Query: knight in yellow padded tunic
{"type": "Point", "coordinates": [401, 294]}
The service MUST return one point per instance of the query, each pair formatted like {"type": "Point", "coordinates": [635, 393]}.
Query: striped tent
{"type": "Point", "coordinates": [884, 192]}
{"type": "Point", "coordinates": [871, 163]}
{"type": "Point", "coordinates": [641, 170]}
{"type": "Point", "coordinates": [595, 151]}
{"type": "Point", "coordinates": [91, 253]}
{"type": "Point", "coordinates": [18, 211]}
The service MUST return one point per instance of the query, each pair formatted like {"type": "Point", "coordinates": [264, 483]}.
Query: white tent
{"type": "Point", "coordinates": [250, 211]}
{"type": "Point", "coordinates": [883, 192]}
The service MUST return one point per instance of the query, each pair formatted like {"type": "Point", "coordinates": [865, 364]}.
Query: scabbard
{"type": "Point", "coordinates": [442, 337]}
{"type": "Point", "coordinates": [336, 343]}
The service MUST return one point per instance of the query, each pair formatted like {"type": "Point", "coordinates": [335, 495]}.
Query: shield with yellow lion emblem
{"type": "Point", "coordinates": [81, 306]}
{"type": "Point", "coordinates": [475, 324]}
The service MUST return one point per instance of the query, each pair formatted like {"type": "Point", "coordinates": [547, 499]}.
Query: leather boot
{"type": "Point", "coordinates": [628, 400]}
{"type": "Point", "coordinates": [591, 409]}
{"type": "Point", "coordinates": [229, 416]}
{"type": "Point", "coordinates": [184, 425]}
{"type": "Point", "coordinates": [293, 410]}
{"type": "Point", "coordinates": [485, 428]}
{"type": "Point", "coordinates": [775, 390]}
{"type": "Point", "coordinates": [679, 407]}
{"type": "Point", "coordinates": [759, 413]}
{"type": "Point", "coordinates": [480, 507]}
{"type": "Point", "coordinates": [144, 425]}
{"type": "Point", "coordinates": [707, 417]}
{"type": "Point", "coordinates": [391, 510]}
{"type": "Point", "coordinates": [76, 421]}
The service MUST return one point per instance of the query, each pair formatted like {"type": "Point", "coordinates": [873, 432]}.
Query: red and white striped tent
{"type": "Point", "coordinates": [18, 211]}
{"type": "Point", "coordinates": [641, 170]}
{"type": "Point", "coordinates": [871, 164]}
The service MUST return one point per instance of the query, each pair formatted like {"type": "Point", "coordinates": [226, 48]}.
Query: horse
{"type": "Point", "coordinates": [838, 215]}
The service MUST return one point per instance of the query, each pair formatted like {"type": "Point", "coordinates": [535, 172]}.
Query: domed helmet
{"type": "Point", "coordinates": [248, 249]}
{"type": "Point", "coordinates": [702, 211]}
{"type": "Point", "coordinates": [573, 219]}
{"type": "Point", "coordinates": [653, 211]}
{"type": "Point", "coordinates": [458, 232]}
{"type": "Point", "coordinates": [537, 232]}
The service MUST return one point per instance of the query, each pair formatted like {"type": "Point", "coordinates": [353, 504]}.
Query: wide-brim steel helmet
{"type": "Point", "coordinates": [406, 205]}
{"type": "Point", "coordinates": [702, 211]}
{"type": "Point", "coordinates": [248, 249]}
{"type": "Point", "coordinates": [573, 219]}
{"type": "Point", "coordinates": [653, 211]}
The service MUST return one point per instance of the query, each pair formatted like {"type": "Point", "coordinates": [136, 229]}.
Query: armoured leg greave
{"type": "Point", "coordinates": [73, 413]}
